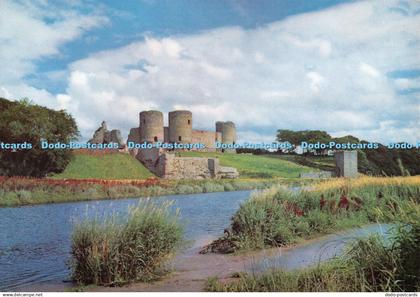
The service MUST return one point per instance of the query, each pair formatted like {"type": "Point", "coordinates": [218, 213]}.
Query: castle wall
{"type": "Point", "coordinates": [134, 136]}
{"type": "Point", "coordinates": [207, 138]}
{"type": "Point", "coordinates": [171, 167]}
{"type": "Point", "coordinates": [185, 167]}
{"type": "Point", "coordinates": [166, 134]}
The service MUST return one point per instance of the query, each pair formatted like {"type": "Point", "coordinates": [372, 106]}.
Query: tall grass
{"type": "Point", "coordinates": [44, 190]}
{"type": "Point", "coordinates": [369, 265]}
{"type": "Point", "coordinates": [277, 217]}
{"type": "Point", "coordinates": [118, 250]}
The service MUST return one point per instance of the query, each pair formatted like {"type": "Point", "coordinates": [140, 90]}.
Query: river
{"type": "Point", "coordinates": [35, 240]}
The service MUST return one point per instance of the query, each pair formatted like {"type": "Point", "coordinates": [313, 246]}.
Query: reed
{"type": "Point", "coordinates": [277, 217]}
{"type": "Point", "coordinates": [368, 265]}
{"type": "Point", "coordinates": [116, 250]}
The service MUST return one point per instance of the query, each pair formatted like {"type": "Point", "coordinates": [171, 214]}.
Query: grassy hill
{"type": "Point", "coordinates": [255, 166]}
{"type": "Point", "coordinates": [106, 166]}
{"type": "Point", "coordinates": [124, 166]}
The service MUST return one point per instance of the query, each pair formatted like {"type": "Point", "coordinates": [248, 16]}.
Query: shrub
{"type": "Point", "coordinates": [118, 250]}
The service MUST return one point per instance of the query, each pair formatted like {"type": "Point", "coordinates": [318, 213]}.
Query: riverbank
{"type": "Point", "coordinates": [19, 191]}
{"type": "Point", "coordinates": [372, 264]}
{"type": "Point", "coordinates": [194, 272]}
{"type": "Point", "coordinates": [277, 217]}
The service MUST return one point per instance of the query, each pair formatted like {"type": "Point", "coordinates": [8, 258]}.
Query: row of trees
{"type": "Point", "coordinates": [381, 161]}
{"type": "Point", "coordinates": [22, 121]}
{"type": "Point", "coordinates": [295, 138]}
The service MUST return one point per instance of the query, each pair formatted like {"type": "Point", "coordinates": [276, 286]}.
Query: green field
{"type": "Point", "coordinates": [107, 166]}
{"type": "Point", "coordinates": [255, 166]}
{"type": "Point", "coordinates": [124, 166]}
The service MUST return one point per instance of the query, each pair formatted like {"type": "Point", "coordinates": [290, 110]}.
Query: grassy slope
{"type": "Point", "coordinates": [320, 162]}
{"type": "Point", "coordinates": [107, 166]}
{"type": "Point", "coordinates": [254, 166]}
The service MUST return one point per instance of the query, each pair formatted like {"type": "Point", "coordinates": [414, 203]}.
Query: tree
{"type": "Point", "coordinates": [295, 138]}
{"type": "Point", "coordinates": [22, 121]}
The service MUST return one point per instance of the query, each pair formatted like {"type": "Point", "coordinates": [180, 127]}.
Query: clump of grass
{"type": "Point", "coordinates": [212, 187]}
{"type": "Point", "coordinates": [185, 189]}
{"type": "Point", "coordinates": [277, 217]}
{"type": "Point", "coordinates": [369, 265]}
{"type": "Point", "coordinates": [118, 250]}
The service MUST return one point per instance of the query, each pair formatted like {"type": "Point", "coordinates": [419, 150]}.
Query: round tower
{"type": "Point", "coordinates": [229, 133]}
{"type": "Point", "coordinates": [151, 126]}
{"type": "Point", "coordinates": [219, 127]}
{"type": "Point", "coordinates": [180, 126]}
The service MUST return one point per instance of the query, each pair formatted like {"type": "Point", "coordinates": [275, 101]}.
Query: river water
{"type": "Point", "coordinates": [35, 240]}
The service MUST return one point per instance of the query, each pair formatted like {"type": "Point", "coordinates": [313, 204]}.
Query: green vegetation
{"type": "Point", "coordinates": [17, 191]}
{"type": "Point", "coordinates": [119, 250]}
{"type": "Point", "coordinates": [253, 166]}
{"type": "Point", "coordinates": [25, 123]}
{"type": "Point", "coordinates": [389, 162]}
{"type": "Point", "coordinates": [369, 264]}
{"type": "Point", "coordinates": [105, 166]}
{"type": "Point", "coordinates": [378, 162]}
{"type": "Point", "coordinates": [319, 162]}
{"type": "Point", "coordinates": [277, 217]}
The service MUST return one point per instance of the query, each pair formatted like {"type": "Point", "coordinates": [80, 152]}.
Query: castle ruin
{"type": "Point", "coordinates": [164, 163]}
{"type": "Point", "coordinates": [180, 130]}
{"type": "Point", "coordinates": [103, 136]}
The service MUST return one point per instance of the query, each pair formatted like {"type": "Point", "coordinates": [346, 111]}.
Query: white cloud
{"type": "Point", "coordinates": [29, 32]}
{"type": "Point", "coordinates": [369, 70]}
{"type": "Point", "coordinates": [320, 70]}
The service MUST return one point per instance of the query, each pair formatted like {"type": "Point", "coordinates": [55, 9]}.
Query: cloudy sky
{"type": "Point", "coordinates": [347, 67]}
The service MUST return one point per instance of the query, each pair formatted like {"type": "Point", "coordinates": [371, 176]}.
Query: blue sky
{"type": "Point", "coordinates": [130, 20]}
{"type": "Point", "coordinates": [348, 67]}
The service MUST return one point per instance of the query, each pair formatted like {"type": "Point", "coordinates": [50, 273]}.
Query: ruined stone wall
{"type": "Point", "coordinates": [134, 136]}
{"type": "Point", "coordinates": [172, 167]}
{"type": "Point", "coordinates": [169, 166]}
{"type": "Point", "coordinates": [208, 138]}
{"type": "Point", "coordinates": [151, 158]}
{"type": "Point", "coordinates": [185, 167]}
{"type": "Point", "coordinates": [103, 136]}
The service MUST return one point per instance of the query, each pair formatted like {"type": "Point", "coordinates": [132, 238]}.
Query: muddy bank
{"type": "Point", "coordinates": [192, 269]}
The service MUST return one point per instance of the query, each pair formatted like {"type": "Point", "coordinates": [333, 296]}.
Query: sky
{"type": "Point", "coordinates": [346, 67]}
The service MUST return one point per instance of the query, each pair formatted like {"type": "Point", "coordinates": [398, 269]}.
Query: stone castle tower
{"type": "Point", "coordinates": [180, 130]}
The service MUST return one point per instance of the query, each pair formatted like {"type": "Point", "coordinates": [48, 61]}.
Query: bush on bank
{"type": "Point", "coordinates": [119, 250]}
{"type": "Point", "coordinates": [278, 217]}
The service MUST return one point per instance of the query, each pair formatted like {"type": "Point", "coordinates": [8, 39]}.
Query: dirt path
{"type": "Point", "coordinates": [191, 270]}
